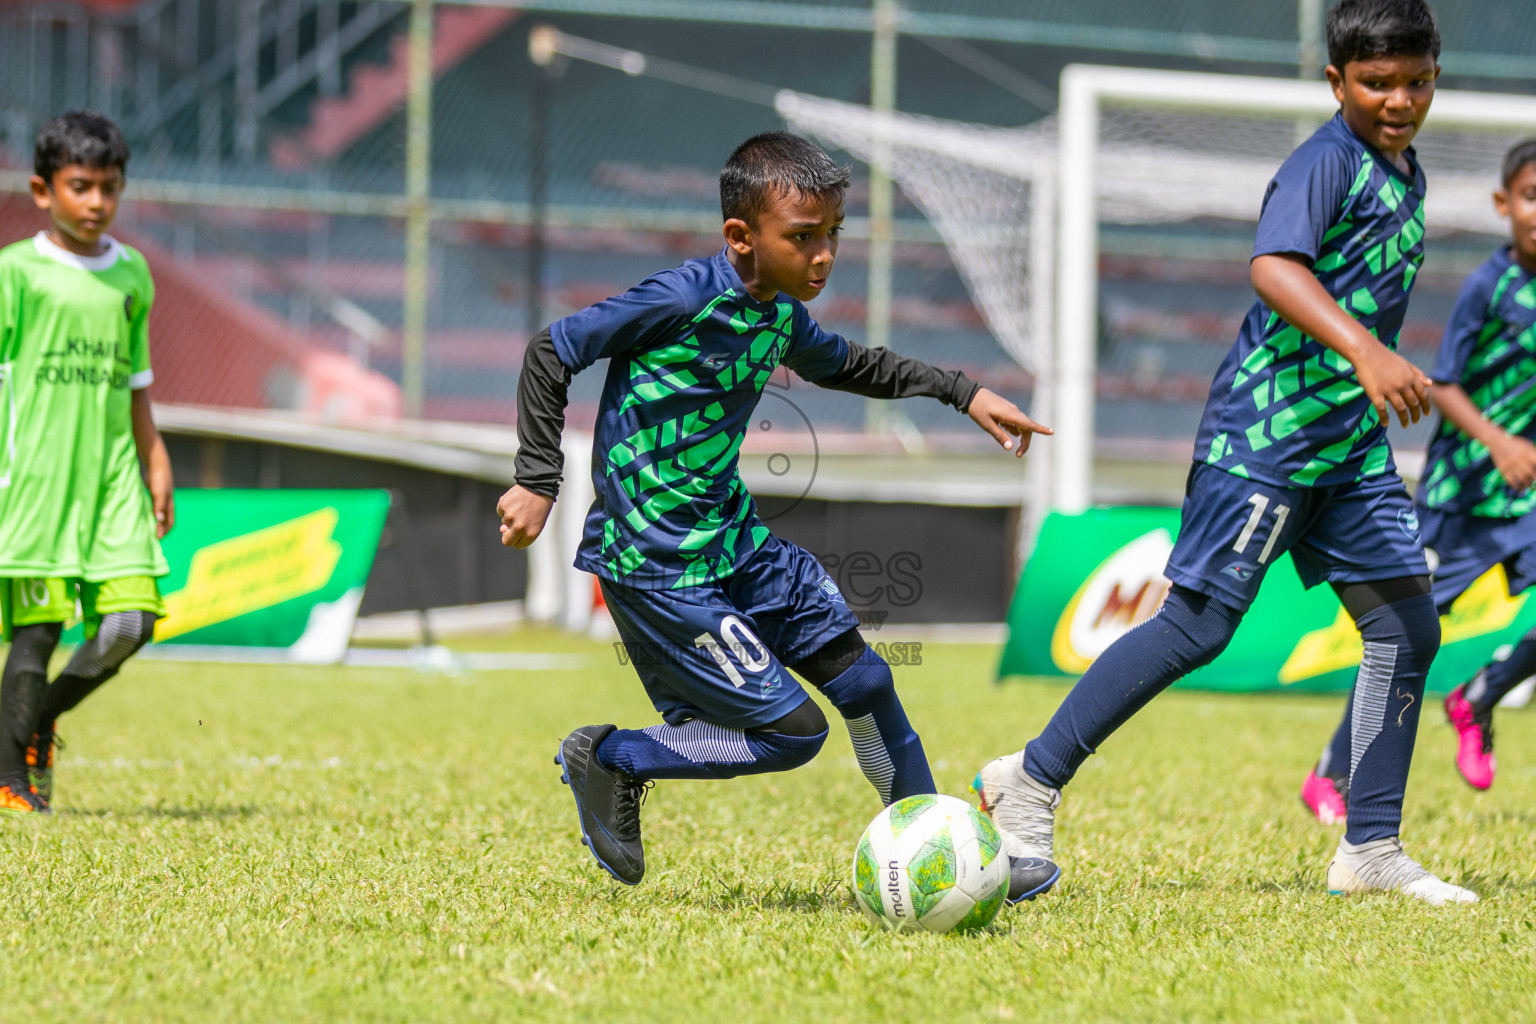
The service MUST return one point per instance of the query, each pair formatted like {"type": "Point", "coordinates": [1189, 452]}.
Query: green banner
{"type": "Point", "coordinates": [273, 568]}
{"type": "Point", "coordinates": [1095, 575]}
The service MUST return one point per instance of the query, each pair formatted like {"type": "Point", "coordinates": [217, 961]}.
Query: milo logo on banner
{"type": "Point", "coordinates": [1096, 574]}
{"type": "Point", "coordinates": [1120, 594]}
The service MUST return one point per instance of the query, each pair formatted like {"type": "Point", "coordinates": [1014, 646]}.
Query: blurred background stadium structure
{"type": "Point", "coordinates": [358, 212]}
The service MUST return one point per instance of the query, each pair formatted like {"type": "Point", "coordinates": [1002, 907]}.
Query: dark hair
{"type": "Point", "coordinates": [79, 137]}
{"type": "Point", "coordinates": [1362, 29]}
{"type": "Point", "coordinates": [776, 164]}
{"type": "Point", "coordinates": [1519, 155]}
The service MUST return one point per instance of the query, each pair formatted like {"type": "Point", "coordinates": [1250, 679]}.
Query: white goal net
{"type": "Point", "coordinates": [1022, 211]}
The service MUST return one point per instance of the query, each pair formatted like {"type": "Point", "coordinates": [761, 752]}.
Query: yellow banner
{"type": "Point", "coordinates": [1486, 607]}
{"type": "Point", "coordinates": [253, 571]}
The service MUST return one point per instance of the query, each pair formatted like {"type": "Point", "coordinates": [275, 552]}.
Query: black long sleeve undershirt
{"type": "Point", "coordinates": [541, 399]}
{"type": "Point", "coordinates": [881, 373]}
{"type": "Point", "coordinates": [542, 396]}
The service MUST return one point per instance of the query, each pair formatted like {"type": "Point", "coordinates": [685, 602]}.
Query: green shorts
{"type": "Point", "coordinates": [32, 601]}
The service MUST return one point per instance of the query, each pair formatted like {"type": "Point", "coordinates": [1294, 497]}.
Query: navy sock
{"type": "Point", "coordinates": [1400, 639]}
{"type": "Point", "coordinates": [699, 750]}
{"type": "Point", "coordinates": [1186, 633]}
{"type": "Point", "coordinates": [1499, 677]}
{"type": "Point", "coordinates": [889, 750]}
{"type": "Point", "coordinates": [1335, 760]}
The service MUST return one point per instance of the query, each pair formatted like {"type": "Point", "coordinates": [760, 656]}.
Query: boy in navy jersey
{"type": "Point", "coordinates": [1475, 502]}
{"type": "Point", "coordinates": [714, 610]}
{"type": "Point", "coordinates": [1292, 455]}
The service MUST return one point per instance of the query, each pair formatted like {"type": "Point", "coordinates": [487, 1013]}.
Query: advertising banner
{"type": "Point", "coordinates": [1095, 575]}
{"type": "Point", "coordinates": [270, 568]}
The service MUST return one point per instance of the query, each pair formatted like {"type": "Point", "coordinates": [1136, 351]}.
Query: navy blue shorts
{"type": "Point", "coordinates": [1233, 530]}
{"type": "Point", "coordinates": [716, 652]}
{"type": "Point", "coordinates": [1461, 548]}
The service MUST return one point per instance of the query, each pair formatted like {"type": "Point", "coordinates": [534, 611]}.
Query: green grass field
{"type": "Point", "coordinates": [295, 844]}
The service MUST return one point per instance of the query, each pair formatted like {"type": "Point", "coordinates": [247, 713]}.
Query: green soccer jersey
{"type": "Point", "coordinates": [74, 344]}
{"type": "Point", "coordinates": [1285, 409]}
{"type": "Point", "coordinates": [1489, 351]}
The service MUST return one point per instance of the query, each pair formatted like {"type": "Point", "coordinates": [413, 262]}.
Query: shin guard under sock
{"type": "Point", "coordinates": [888, 749]}
{"type": "Point", "coordinates": [1400, 643]}
{"type": "Point", "coordinates": [1187, 632]}
{"type": "Point", "coordinates": [699, 750]}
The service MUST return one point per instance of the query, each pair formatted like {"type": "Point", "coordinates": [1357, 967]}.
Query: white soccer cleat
{"type": "Point", "coordinates": [1023, 810]}
{"type": "Point", "coordinates": [1382, 866]}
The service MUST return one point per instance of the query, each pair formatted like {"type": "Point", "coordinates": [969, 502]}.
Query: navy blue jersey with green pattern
{"type": "Point", "coordinates": [1285, 409]}
{"type": "Point", "coordinates": [689, 351]}
{"type": "Point", "coordinates": [1489, 348]}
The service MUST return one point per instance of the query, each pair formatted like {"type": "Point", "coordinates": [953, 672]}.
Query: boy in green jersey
{"type": "Point", "coordinates": [77, 523]}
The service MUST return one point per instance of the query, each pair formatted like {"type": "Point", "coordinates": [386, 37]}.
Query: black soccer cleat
{"type": "Point", "coordinates": [607, 804]}
{"type": "Point", "coordinates": [40, 763]}
{"type": "Point", "coordinates": [1029, 877]}
{"type": "Point", "coordinates": [17, 795]}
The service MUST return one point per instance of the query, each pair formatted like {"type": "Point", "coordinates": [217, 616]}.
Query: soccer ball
{"type": "Point", "coordinates": [931, 862]}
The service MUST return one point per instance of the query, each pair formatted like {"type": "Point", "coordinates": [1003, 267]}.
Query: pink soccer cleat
{"type": "Point", "coordinates": [1474, 738]}
{"type": "Point", "coordinates": [1326, 797]}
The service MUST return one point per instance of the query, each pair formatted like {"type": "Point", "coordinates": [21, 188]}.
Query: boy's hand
{"type": "Point", "coordinates": [523, 515]}
{"type": "Point", "coordinates": [1000, 418]}
{"type": "Point", "coordinates": [1287, 285]}
{"type": "Point", "coordinates": [1391, 380]}
{"type": "Point", "coordinates": [1515, 459]}
{"type": "Point", "coordinates": [162, 495]}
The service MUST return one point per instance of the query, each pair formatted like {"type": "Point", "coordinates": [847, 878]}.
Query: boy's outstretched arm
{"type": "Point", "coordinates": [541, 399]}
{"type": "Point", "coordinates": [1287, 285]}
{"type": "Point", "coordinates": [156, 462]}
{"type": "Point", "coordinates": [1513, 456]}
{"type": "Point", "coordinates": [881, 373]}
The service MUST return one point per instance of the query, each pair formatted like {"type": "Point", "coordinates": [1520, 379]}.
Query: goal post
{"type": "Point", "coordinates": [1214, 178]}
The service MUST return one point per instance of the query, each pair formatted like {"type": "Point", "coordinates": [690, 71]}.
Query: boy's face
{"type": "Point", "coordinates": [1518, 203]}
{"type": "Point", "coordinates": [81, 201]}
{"type": "Point", "coordinates": [1385, 99]}
{"type": "Point", "coordinates": [793, 245]}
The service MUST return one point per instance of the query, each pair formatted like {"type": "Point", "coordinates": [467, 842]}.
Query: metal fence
{"type": "Point", "coordinates": [351, 218]}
